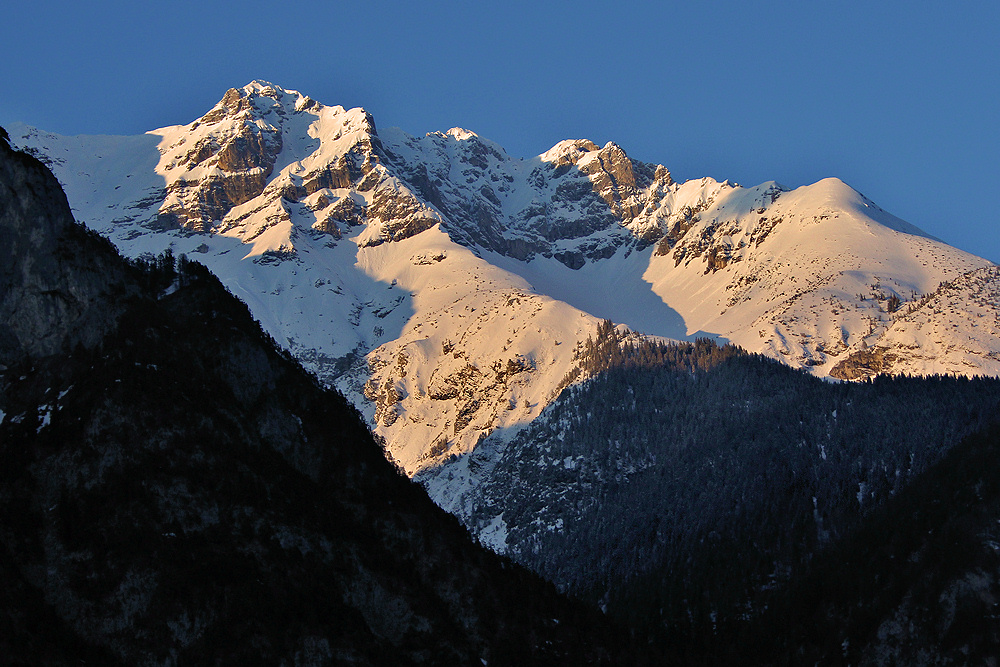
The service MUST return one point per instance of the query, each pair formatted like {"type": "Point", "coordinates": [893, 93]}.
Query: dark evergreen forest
{"type": "Point", "coordinates": [916, 581]}
{"type": "Point", "coordinates": [684, 486]}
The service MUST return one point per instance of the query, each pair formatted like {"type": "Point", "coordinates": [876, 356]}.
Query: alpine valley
{"type": "Point", "coordinates": [672, 399]}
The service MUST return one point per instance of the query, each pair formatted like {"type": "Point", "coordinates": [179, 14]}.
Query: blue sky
{"type": "Point", "coordinates": [899, 99]}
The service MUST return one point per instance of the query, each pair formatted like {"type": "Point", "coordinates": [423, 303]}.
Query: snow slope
{"type": "Point", "coordinates": [444, 285]}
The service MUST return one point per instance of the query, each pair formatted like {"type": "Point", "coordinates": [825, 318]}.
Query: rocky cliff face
{"type": "Point", "coordinates": [221, 177]}
{"type": "Point", "coordinates": [574, 202]}
{"type": "Point", "coordinates": [579, 193]}
{"type": "Point", "coordinates": [55, 292]}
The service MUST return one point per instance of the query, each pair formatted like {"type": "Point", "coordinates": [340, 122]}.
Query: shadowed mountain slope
{"type": "Point", "coordinates": [175, 490]}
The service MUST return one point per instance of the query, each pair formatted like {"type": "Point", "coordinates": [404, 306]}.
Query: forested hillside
{"type": "Point", "coordinates": [683, 486]}
{"type": "Point", "coordinates": [915, 583]}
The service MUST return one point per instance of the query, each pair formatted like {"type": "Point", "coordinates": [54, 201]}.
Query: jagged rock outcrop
{"type": "Point", "coordinates": [864, 364]}
{"type": "Point", "coordinates": [225, 167]}
{"type": "Point", "coordinates": [619, 180]}
{"type": "Point", "coordinates": [243, 168]}
{"type": "Point", "coordinates": [581, 197]}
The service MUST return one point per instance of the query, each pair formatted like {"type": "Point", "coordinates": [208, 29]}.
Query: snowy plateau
{"type": "Point", "coordinates": [445, 286]}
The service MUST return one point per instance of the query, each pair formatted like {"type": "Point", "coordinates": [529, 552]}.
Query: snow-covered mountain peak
{"type": "Point", "coordinates": [267, 88]}
{"type": "Point", "coordinates": [257, 99]}
{"type": "Point", "coordinates": [444, 285]}
{"type": "Point", "coordinates": [260, 88]}
{"type": "Point", "coordinates": [461, 133]}
{"type": "Point", "coordinates": [251, 168]}
{"type": "Point", "coordinates": [265, 103]}
{"type": "Point", "coordinates": [568, 151]}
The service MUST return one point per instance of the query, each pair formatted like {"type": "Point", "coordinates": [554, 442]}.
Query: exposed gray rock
{"type": "Point", "coordinates": [241, 162]}
{"type": "Point", "coordinates": [864, 364]}
{"type": "Point", "coordinates": [580, 200]}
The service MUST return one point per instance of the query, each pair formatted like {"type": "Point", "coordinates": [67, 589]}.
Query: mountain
{"type": "Point", "coordinates": [446, 287]}
{"type": "Point", "coordinates": [509, 327]}
{"type": "Point", "coordinates": [177, 490]}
